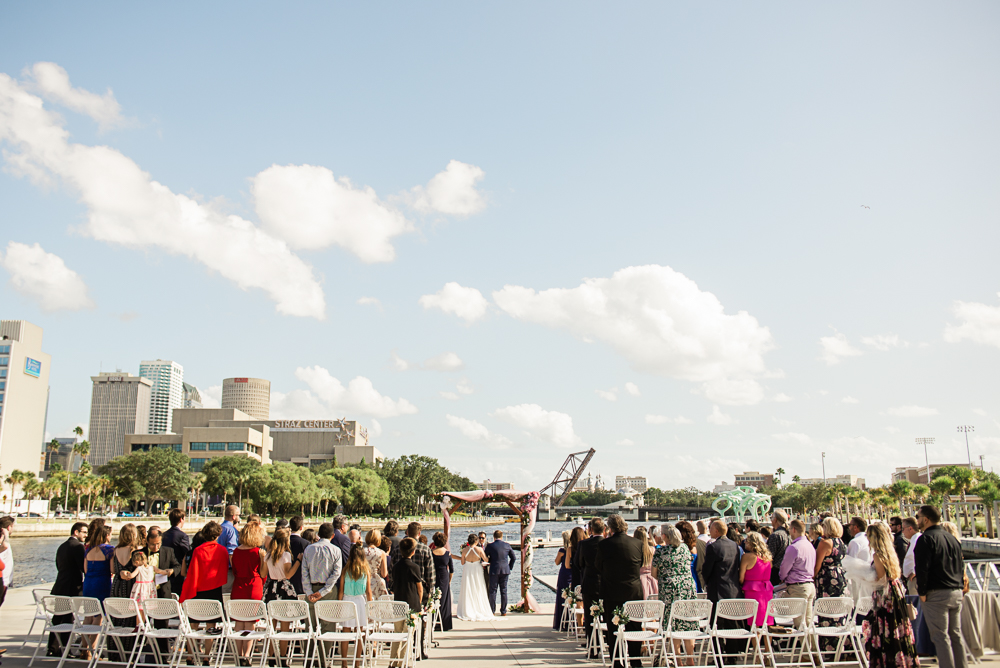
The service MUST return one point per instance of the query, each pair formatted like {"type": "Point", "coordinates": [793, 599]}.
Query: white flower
{"type": "Point", "coordinates": [615, 620]}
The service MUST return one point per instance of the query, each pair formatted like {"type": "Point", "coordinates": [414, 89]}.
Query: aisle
{"type": "Point", "coordinates": [514, 640]}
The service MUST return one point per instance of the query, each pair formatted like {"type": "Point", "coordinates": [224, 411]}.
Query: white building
{"type": "Point", "coordinates": [638, 483]}
{"type": "Point", "coordinates": [166, 395]}
{"type": "Point", "coordinates": [24, 396]}
{"type": "Point", "coordinates": [190, 397]}
{"type": "Point", "coordinates": [849, 480]}
{"type": "Point", "coordinates": [119, 405]}
{"type": "Point", "coordinates": [248, 395]}
{"type": "Point", "coordinates": [723, 487]}
{"type": "Point", "coordinates": [494, 486]}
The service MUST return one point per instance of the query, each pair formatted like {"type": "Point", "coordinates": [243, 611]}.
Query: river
{"type": "Point", "coordinates": [34, 558]}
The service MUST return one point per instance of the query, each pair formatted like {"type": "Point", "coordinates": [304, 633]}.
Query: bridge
{"type": "Point", "coordinates": [640, 514]}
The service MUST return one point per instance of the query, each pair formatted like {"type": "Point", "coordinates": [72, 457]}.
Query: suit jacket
{"type": "Point", "coordinates": [298, 545]}
{"type": "Point", "coordinates": [586, 560]}
{"type": "Point", "coordinates": [344, 543]}
{"type": "Point", "coordinates": [501, 556]}
{"type": "Point", "coordinates": [180, 544]}
{"type": "Point", "coordinates": [69, 568]}
{"type": "Point", "coordinates": [900, 545]}
{"type": "Point", "coordinates": [722, 570]}
{"type": "Point", "coordinates": [619, 560]}
{"type": "Point", "coordinates": [168, 559]}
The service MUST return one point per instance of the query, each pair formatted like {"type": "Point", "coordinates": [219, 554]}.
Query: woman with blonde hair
{"type": "Point", "coordinates": [280, 568]}
{"type": "Point", "coordinates": [649, 584]}
{"type": "Point", "coordinates": [831, 579]}
{"type": "Point", "coordinates": [355, 586]}
{"type": "Point", "coordinates": [121, 561]}
{"type": "Point", "coordinates": [249, 568]}
{"type": "Point", "coordinates": [377, 562]}
{"type": "Point", "coordinates": [889, 641]}
{"type": "Point", "coordinates": [755, 575]}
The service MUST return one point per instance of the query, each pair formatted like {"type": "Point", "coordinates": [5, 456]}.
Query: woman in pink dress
{"type": "Point", "coordinates": [755, 575]}
{"type": "Point", "coordinates": [650, 587]}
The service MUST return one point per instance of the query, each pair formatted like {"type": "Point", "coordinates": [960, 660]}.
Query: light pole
{"type": "Point", "coordinates": [823, 456]}
{"type": "Point", "coordinates": [965, 429]}
{"type": "Point", "coordinates": [925, 442]}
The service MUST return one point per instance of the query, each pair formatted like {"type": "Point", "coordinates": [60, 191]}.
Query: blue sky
{"type": "Point", "coordinates": [695, 163]}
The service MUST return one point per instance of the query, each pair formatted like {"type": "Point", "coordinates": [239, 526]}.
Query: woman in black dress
{"type": "Point", "coordinates": [831, 579]}
{"type": "Point", "coordinates": [444, 570]}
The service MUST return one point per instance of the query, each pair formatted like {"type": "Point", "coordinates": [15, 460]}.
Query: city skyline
{"type": "Point", "coordinates": [700, 244]}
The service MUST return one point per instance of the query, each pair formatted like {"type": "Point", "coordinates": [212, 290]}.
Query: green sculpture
{"type": "Point", "coordinates": [741, 501]}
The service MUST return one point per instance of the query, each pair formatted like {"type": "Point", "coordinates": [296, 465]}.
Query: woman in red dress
{"type": "Point", "coordinates": [249, 572]}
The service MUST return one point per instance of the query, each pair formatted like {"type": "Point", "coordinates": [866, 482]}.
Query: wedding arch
{"type": "Point", "coordinates": [525, 505]}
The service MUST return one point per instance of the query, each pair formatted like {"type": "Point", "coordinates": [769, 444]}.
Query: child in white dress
{"type": "Point", "coordinates": [145, 580]}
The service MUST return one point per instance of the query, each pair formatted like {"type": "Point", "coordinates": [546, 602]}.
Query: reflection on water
{"type": "Point", "coordinates": [34, 558]}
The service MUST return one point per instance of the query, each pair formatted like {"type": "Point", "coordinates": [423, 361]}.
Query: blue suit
{"type": "Point", "coordinates": [502, 558]}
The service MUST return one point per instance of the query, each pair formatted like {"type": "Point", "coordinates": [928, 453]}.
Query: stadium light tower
{"type": "Point", "coordinates": [925, 442]}
{"type": "Point", "coordinates": [965, 429]}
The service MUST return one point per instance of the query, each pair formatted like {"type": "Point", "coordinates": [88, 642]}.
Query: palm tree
{"type": "Point", "coordinates": [15, 478]}
{"type": "Point", "coordinates": [989, 493]}
{"type": "Point", "coordinates": [78, 431]}
{"type": "Point", "coordinates": [920, 492]}
{"type": "Point", "coordinates": [780, 472]}
{"type": "Point", "coordinates": [900, 491]}
{"type": "Point", "coordinates": [32, 486]}
{"type": "Point", "coordinates": [943, 485]}
{"type": "Point", "coordinates": [963, 482]}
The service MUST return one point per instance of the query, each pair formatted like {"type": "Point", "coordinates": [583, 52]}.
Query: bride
{"type": "Point", "coordinates": [473, 603]}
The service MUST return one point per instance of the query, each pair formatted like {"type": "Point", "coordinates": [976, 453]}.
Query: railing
{"type": "Point", "coordinates": [983, 575]}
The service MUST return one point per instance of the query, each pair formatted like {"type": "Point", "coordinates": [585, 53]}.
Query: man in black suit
{"type": "Point", "coordinates": [899, 542]}
{"type": "Point", "coordinates": [69, 578]}
{"type": "Point", "coordinates": [722, 574]}
{"type": "Point", "coordinates": [298, 545]}
{"type": "Point", "coordinates": [585, 561]}
{"type": "Point", "coordinates": [619, 560]}
{"type": "Point", "coordinates": [177, 542]}
{"type": "Point", "coordinates": [501, 556]}
{"type": "Point", "coordinates": [341, 540]}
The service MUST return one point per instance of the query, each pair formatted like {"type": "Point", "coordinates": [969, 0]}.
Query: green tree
{"type": "Point", "coordinates": [415, 479]}
{"type": "Point", "coordinates": [281, 487]}
{"type": "Point", "coordinates": [796, 479]}
{"type": "Point", "coordinates": [228, 476]}
{"type": "Point", "coordinates": [778, 473]}
{"type": "Point", "coordinates": [32, 487]}
{"type": "Point", "coordinates": [158, 475]}
{"type": "Point", "coordinates": [988, 492]}
{"type": "Point", "coordinates": [900, 491]}
{"type": "Point", "coordinates": [920, 492]}
{"type": "Point", "coordinates": [600, 497]}
{"type": "Point", "coordinates": [963, 481]}
{"type": "Point", "coordinates": [15, 478]}
{"type": "Point", "coordinates": [362, 488]}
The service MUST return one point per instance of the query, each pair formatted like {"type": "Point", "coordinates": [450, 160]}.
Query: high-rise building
{"type": "Point", "coordinates": [191, 397]}
{"type": "Point", "coordinates": [24, 391]}
{"type": "Point", "coordinates": [636, 482]}
{"type": "Point", "coordinates": [119, 405]}
{"type": "Point", "coordinates": [248, 395]}
{"type": "Point", "coordinates": [167, 393]}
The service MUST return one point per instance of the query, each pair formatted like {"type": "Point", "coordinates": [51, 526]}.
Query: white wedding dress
{"type": "Point", "coordinates": [473, 600]}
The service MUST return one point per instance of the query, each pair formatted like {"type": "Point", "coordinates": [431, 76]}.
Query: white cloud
{"type": "Point", "coordinates": [883, 341]}
{"type": "Point", "coordinates": [783, 423]}
{"type": "Point", "coordinates": [979, 411]}
{"type": "Point", "coordinates": [608, 395]}
{"type": "Point", "coordinates": [212, 397]}
{"type": "Point", "coordinates": [478, 432]}
{"type": "Point", "coordinates": [849, 400]}
{"type": "Point", "coordinates": [452, 191]}
{"type": "Point", "coordinates": [398, 363]}
{"type": "Point", "coordinates": [376, 429]}
{"type": "Point", "coordinates": [444, 362]}
{"type": "Point", "coordinates": [793, 437]}
{"type": "Point", "coordinates": [466, 303]}
{"type": "Point", "coordinates": [980, 323]}
{"type": "Point", "coordinates": [625, 442]}
{"type": "Point", "coordinates": [450, 396]}
{"type": "Point", "coordinates": [45, 278]}
{"type": "Point", "coordinates": [310, 208]}
{"type": "Point", "coordinates": [327, 397]}
{"type": "Point", "coordinates": [892, 430]}
{"type": "Point", "coordinates": [719, 418]}
{"type": "Point", "coordinates": [53, 83]}
{"type": "Point", "coordinates": [661, 322]}
{"type": "Point", "coordinates": [911, 411]}
{"type": "Point", "coordinates": [370, 301]}
{"type": "Point", "coordinates": [550, 426]}
{"type": "Point", "coordinates": [836, 346]}
{"type": "Point", "coordinates": [663, 419]}
{"type": "Point", "coordinates": [781, 398]}
{"type": "Point", "coordinates": [125, 206]}
{"type": "Point", "coordinates": [464, 387]}
{"type": "Point", "coordinates": [632, 389]}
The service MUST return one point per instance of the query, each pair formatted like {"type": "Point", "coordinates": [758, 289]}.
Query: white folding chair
{"type": "Point", "coordinates": [204, 611]}
{"type": "Point", "coordinates": [567, 620]}
{"type": "Point", "coordinates": [246, 610]}
{"type": "Point", "coordinates": [596, 640]}
{"type": "Point", "coordinates": [296, 614]}
{"type": "Point", "coordinates": [83, 608]}
{"type": "Point", "coordinates": [345, 615]}
{"type": "Point", "coordinates": [386, 597]}
{"type": "Point", "coordinates": [861, 609]}
{"type": "Point", "coordinates": [39, 613]}
{"type": "Point", "coordinates": [641, 612]}
{"type": "Point", "coordinates": [840, 609]}
{"type": "Point", "coordinates": [126, 639]}
{"type": "Point", "coordinates": [698, 612]}
{"type": "Point", "coordinates": [785, 612]}
{"type": "Point", "coordinates": [163, 610]}
{"type": "Point", "coordinates": [381, 614]}
{"type": "Point", "coordinates": [53, 606]}
{"type": "Point", "coordinates": [737, 610]}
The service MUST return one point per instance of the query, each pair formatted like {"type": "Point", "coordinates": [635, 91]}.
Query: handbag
{"type": "Point", "coordinates": [911, 611]}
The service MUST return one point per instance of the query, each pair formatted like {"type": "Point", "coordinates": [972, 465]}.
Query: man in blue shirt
{"type": "Point", "coordinates": [230, 539]}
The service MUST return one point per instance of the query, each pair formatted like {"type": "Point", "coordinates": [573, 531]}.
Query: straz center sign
{"type": "Point", "coordinates": [307, 424]}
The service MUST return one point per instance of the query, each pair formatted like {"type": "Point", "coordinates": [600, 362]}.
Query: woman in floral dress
{"type": "Point", "coordinates": [672, 570]}
{"type": "Point", "coordinates": [889, 641]}
{"type": "Point", "coordinates": [831, 580]}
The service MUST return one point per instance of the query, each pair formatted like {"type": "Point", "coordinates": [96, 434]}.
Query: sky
{"type": "Point", "coordinates": [699, 239]}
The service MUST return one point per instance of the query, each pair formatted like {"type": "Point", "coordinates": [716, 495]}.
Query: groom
{"type": "Point", "coordinates": [502, 559]}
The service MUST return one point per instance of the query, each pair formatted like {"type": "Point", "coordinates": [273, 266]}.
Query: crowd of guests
{"type": "Point", "coordinates": [877, 562]}
{"type": "Point", "coordinates": [334, 562]}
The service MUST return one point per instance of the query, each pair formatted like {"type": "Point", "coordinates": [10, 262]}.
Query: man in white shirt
{"type": "Point", "coordinates": [703, 532]}
{"type": "Point", "coordinates": [858, 547]}
{"type": "Point", "coordinates": [6, 555]}
{"type": "Point", "coordinates": [909, 565]}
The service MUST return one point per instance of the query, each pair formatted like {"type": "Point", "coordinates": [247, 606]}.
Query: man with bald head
{"type": "Point", "coordinates": [721, 571]}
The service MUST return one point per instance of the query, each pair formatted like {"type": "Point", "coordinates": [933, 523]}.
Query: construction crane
{"type": "Point", "coordinates": [567, 477]}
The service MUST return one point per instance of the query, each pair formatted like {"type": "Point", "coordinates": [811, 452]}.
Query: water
{"type": "Point", "coordinates": [34, 558]}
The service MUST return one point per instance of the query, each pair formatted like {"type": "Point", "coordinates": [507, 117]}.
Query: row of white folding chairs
{"type": "Point", "coordinates": [93, 627]}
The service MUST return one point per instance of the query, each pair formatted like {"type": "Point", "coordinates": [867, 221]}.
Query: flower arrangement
{"type": "Point", "coordinates": [528, 506]}
{"type": "Point", "coordinates": [597, 608]}
{"type": "Point", "coordinates": [569, 596]}
{"type": "Point", "coordinates": [411, 619]}
{"type": "Point", "coordinates": [520, 607]}
{"type": "Point", "coordinates": [620, 618]}
{"type": "Point", "coordinates": [433, 602]}
{"type": "Point", "coordinates": [527, 553]}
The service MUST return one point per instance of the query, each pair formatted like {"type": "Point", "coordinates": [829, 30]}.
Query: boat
{"type": "Point", "coordinates": [581, 521]}
{"type": "Point", "coordinates": [513, 519]}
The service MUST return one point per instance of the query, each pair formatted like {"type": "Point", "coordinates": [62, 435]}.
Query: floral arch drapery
{"type": "Point", "coordinates": [524, 504]}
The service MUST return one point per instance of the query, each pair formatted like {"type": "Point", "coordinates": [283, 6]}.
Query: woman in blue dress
{"type": "Point", "coordinates": [565, 579]}
{"type": "Point", "coordinates": [97, 564]}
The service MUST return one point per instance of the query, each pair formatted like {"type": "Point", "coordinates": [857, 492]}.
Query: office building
{"type": "Point", "coordinates": [849, 480]}
{"type": "Point", "coordinates": [494, 486]}
{"type": "Point", "coordinates": [248, 395]}
{"type": "Point", "coordinates": [723, 487]}
{"type": "Point", "coordinates": [919, 475]}
{"type": "Point", "coordinates": [190, 397]}
{"type": "Point", "coordinates": [24, 394]}
{"type": "Point", "coordinates": [119, 405]}
{"type": "Point", "coordinates": [59, 456]}
{"type": "Point", "coordinates": [166, 394]}
{"type": "Point", "coordinates": [638, 483]}
{"type": "Point", "coordinates": [754, 479]}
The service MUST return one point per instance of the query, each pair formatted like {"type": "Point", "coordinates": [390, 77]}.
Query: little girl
{"type": "Point", "coordinates": [145, 585]}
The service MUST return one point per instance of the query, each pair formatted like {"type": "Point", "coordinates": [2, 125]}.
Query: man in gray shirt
{"type": "Point", "coordinates": [321, 570]}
